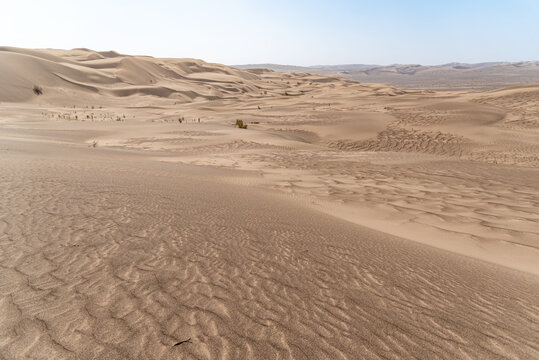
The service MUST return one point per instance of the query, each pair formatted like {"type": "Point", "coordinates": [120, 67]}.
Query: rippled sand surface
{"type": "Point", "coordinates": [347, 221]}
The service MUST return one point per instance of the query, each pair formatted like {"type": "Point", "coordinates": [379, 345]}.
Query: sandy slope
{"type": "Point", "coordinates": [124, 231]}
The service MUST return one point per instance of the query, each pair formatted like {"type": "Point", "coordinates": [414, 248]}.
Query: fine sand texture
{"type": "Point", "coordinates": [347, 221]}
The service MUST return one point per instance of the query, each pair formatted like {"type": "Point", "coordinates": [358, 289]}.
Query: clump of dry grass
{"type": "Point", "coordinates": [38, 90]}
{"type": "Point", "coordinates": [240, 124]}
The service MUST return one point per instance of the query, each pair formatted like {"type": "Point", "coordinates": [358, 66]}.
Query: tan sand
{"type": "Point", "coordinates": [347, 221]}
{"type": "Point", "coordinates": [445, 77]}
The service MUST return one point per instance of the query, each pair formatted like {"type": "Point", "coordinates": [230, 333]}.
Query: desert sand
{"type": "Point", "coordinates": [452, 76]}
{"type": "Point", "coordinates": [347, 221]}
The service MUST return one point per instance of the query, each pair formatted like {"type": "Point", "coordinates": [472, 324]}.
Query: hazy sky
{"type": "Point", "coordinates": [286, 32]}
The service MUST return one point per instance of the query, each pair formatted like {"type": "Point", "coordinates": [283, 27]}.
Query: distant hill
{"type": "Point", "coordinates": [276, 67]}
{"type": "Point", "coordinates": [342, 67]}
{"type": "Point", "coordinates": [451, 76]}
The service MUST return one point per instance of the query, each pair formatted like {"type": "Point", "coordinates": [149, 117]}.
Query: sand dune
{"type": "Point", "coordinates": [348, 220]}
{"type": "Point", "coordinates": [66, 76]}
{"type": "Point", "coordinates": [452, 76]}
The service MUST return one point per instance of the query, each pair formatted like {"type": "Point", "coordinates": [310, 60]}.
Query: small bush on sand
{"type": "Point", "coordinates": [240, 124]}
{"type": "Point", "coordinates": [38, 90]}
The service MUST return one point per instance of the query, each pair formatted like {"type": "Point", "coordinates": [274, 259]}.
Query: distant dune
{"type": "Point", "coordinates": [84, 72]}
{"type": "Point", "coordinates": [343, 220]}
{"type": "Point", "coordinates": [453, 76]}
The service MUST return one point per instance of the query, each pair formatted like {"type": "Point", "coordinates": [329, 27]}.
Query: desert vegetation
{"type": "Point", "coordinates": [38, 90]}
{"type": "Point", "coordinates": [240, 124]}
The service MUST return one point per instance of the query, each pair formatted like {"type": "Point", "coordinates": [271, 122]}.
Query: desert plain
{"type": "Point", "coordinates": [348, 220]}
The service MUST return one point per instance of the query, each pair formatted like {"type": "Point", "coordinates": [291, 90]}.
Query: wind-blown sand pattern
{"type": "Point", "coordinates": [347, 221]}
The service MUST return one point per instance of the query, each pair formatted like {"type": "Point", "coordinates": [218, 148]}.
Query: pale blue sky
{"type": "Point", "coordinates": [286, 32]}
